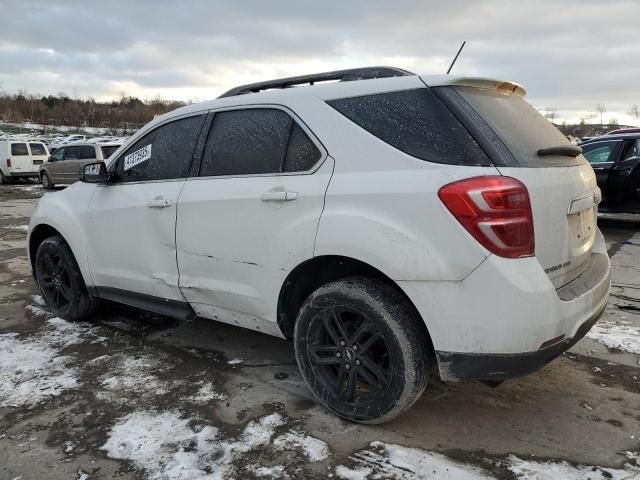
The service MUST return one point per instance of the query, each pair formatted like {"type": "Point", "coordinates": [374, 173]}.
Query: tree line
{"type": "Point", "coordinates": [126, 113]}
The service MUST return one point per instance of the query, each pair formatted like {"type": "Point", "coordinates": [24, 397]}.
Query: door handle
{"type": "Point", "coordinates": [159, 203]}
{"type": "Point", "coordinates": [278, 196]}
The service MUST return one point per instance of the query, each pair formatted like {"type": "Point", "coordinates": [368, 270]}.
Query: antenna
{"type": "Point", "coordinates": [456, 57]}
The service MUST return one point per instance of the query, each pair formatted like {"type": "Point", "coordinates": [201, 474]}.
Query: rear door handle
{"type": "Point", "coordinates": [278, 196]}
{"type": "Point", "coordinates": [159, 203]}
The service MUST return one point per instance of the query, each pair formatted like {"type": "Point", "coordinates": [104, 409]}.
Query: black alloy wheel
{"type": "Point", "coordinates": [362, 349]}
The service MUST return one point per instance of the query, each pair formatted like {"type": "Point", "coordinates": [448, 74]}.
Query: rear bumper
{"type": "Point", "coordinates": [487, 366]}
{"type": "Point", "coordinates": [506, 318]}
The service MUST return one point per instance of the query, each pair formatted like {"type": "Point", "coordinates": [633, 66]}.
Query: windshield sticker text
{"type": "Point", "coordinates": [137, 157]}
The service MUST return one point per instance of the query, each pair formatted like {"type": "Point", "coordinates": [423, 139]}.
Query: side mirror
{"type": "Point", "coordinates": [94, 173]}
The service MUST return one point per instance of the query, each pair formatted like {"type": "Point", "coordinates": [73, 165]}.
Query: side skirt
{"type": "Point", "coordinates": [162, 306]}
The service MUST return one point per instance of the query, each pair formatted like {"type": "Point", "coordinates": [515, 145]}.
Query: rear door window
{"type": "Point", "coordinates": [600, 152]}
{"type": "Point", "coordinates": [87, 152]}
{"type": "Point", "coordinates": [415, 122]}
{"type": "Point", "coordinates": [19, 149]}
{"type": "Point", "coordinates": [37, 149]}
{"type": "Point", "coordinates": [72, 153]}
{"type": "Point", "coordinates": [256, 141]}
{"type": "Point", "coordinates": [162, 154]}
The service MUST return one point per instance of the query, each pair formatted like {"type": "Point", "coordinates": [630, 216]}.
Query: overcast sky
{"type": "Point", "coordinates": [569, 54]}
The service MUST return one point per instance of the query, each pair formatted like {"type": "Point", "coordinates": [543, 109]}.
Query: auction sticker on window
{"type": "Point", "coordinates": [137, 157]}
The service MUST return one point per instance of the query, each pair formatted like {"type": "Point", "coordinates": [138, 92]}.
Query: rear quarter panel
{"type": "Point", "coordinates": [382, 205]}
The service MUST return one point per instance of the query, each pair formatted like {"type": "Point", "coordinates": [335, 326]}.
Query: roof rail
{"type": "Point", "coordinates": [352, 74]}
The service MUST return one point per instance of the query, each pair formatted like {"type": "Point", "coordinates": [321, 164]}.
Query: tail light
{"type": "Point", "coordinates": [8, 162]}
{"type": "Point", "coordinates": [496, 211]}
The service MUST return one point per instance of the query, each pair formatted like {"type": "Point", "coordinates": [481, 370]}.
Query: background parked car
{"type": "Point", "coordinates": [616, 161]}
{"type": "Point", "coordinates": [65, 164]}
{"type": "Point", "coordinates": [21, 159]}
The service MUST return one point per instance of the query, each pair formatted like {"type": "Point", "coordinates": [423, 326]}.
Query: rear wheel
{"type": "Point", "coordinates": [362, 349]}
{"type": "Point", "coordinates": [60, 280]}
{"type": "Point", "coordinates": [47, 184]}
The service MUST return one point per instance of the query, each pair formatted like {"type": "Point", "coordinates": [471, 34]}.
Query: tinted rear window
{"type": "Point", "coordinates": [19, 149]}
{"type": "Point", "coordinates": [37, 149]}
{"type": "Point", "coordinates": [521, 128]}
{"type": "Point", "coordinates": [415, 122]}
{"type": "Point", "coordinates": [87, 152]}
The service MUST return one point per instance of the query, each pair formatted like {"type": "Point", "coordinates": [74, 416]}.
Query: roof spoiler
{"type": "Point", "coordinates": [478, 82]}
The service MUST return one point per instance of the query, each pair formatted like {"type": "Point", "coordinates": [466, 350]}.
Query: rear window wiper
{"type": "Point", "coordinates": [562, 150]}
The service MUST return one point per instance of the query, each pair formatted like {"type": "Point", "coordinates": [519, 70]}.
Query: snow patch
{"type": "Point", "coordinates": [169, 446]}
{"type": "Point", "coordinates": [617, 334]}
{"type": "Point", "coordinates": [32, 368]}
{"type": "Point", "coordinates": [206, 394]}
{"type": "Point", "coordinates": [271, 472]}
{"type": "Point", "coordinates": [313, 448]}
{"type": "Point", "coordinates": [134, 375]}
{"type": "Point", "coordinates": [529, 470]}
{"type": "Point", "coordinates": [388, 461]}
{"type": "Point", "coordinates": [235, 361]}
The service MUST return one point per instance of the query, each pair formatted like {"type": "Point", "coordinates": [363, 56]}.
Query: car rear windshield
{"type": "Point", "coordinates": [521, 128]}
{"type": "Point", "coordinates": [107, 151]}
{"type": "Point", "coordinates": [37, 149]}
{"type": "Point", "coordinates": [415, 122]}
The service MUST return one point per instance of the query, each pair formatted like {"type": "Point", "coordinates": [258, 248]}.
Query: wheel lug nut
{"type": "Point", "coordinates": [355, 347]}
{"type": "Point", "coordinates": [342, 343]}
{"type": "Point", "coordinates": [358, 362]}
{"type": "Point", "coordinates": [347, 366]}
{"type": "Point", "coordinates": [338, 354]}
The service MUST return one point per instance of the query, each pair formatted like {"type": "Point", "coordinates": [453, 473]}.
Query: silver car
{"type": "Point", "coordinates": [65, 164]}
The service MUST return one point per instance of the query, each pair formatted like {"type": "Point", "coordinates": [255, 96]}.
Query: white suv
{"type": "Point", "coordinates": [386, 222]}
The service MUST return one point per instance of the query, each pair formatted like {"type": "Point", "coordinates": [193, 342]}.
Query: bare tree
{"type": "Point", "coordinates": [635, 112]}
{"type": "Point", "coordinates": [601, 109]}
{"type": "Point", "coordinates": [613, 121]}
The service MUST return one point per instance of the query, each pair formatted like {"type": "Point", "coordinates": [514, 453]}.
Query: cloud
{"type": "Point", "coordinates": [569, 55]}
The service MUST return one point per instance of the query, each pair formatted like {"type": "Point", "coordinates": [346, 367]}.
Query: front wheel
{"type": "Point", "coordinates": [60, 280]}
{"type": "Point", "coordinates": [362, 349]}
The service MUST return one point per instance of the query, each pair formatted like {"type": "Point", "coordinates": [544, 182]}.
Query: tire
{"type": "Point", "coordinates": [362, 349]}
{"type": "Point", "coordinates": [61, 282]}
{"type": "Point", "coordinates": [45, 179]}
{"type": "Point", "coordinates": [3, 179]}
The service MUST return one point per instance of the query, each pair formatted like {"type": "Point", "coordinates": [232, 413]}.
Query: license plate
{"type": "Point", "coordinates": [584, 225]}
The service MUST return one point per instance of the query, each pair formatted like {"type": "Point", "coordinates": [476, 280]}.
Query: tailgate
{"type": "Point", "coordinates": [525, 145]}
{"type": "Point", "coordinates": [564, 204]}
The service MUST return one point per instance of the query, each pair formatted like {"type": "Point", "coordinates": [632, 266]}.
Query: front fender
{"type": "Point", "coordinates": [65, 212]}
